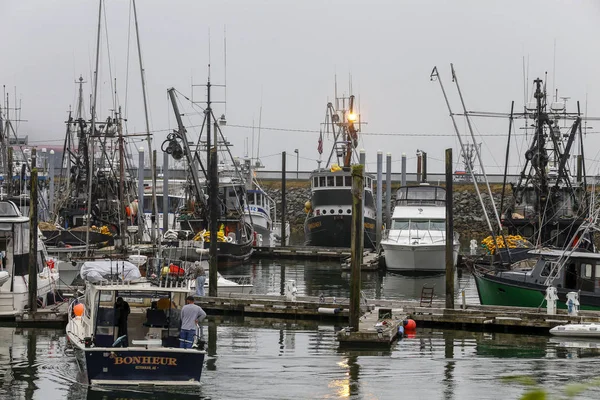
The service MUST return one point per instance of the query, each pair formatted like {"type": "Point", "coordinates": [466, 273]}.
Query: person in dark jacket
{"type": "Point", "coordinates": [122, 311]}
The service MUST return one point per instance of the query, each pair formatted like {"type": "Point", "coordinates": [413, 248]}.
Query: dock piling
{"type": "Point", "coordinates": [33, 236]}
{"type": "Point", "coordinates": [283, 202]}
{"type": "Point", "coordinates": [356, 243]}
{"type": "Point", "coordinates": [388, 190]}
{"type": "Point", "coordinates": [51, 183]}
{"type": "Point", "coordinates": [165, 205]}
{"type": "Point", "coordinates": [403, 170]}
{"type": "Point", "coordinates": [140, 213]}
{"type": "Point", "coordinates": [379, 211]}
{"type": "Point", "coordinates": [449, 234]}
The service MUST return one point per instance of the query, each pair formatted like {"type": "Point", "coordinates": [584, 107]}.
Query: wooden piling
{"type": "Point", "coordinates": [449, 233]}
{"type": "Point", "coordinates": [283, 202]}
{"type": "Point", "coordinates": [356, 248]}
{"type": "Point", "coordinates": [33, 236]}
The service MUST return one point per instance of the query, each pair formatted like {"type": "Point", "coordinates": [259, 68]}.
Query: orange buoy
{"type": "Point", "coordinates": [410, 325]}
{"type": "Point", "coordinates": [78, 309]}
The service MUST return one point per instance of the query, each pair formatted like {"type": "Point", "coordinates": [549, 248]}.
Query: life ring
{"type": "Point", "coordinates": [229, 239]}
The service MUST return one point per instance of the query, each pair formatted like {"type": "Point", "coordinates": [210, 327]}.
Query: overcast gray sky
{"type": "Point", "coordinates": [287, 54]}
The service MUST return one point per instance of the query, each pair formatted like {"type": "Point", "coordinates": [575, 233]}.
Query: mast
{"type": "Point", "coordinates": [122, 224]}
{"type": "Point", "coordinates": [213, 194]}
{"type": "Point", "coordinates": [148, 136]}
{"type": "Point", "coordinates": [90, 174]}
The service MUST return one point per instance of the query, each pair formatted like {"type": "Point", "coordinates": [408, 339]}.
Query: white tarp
{"type": "Point", "coordinates": [95, 271]}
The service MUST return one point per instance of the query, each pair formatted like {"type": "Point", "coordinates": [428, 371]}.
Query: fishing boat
{"type": "Point", "coordinates": [550, 208]}
{"type": "Point", "coordinates": [77, 219]}
{"type": "Point", "coordinates": [329, 211]}
{"type": "Point", "coordinates": [416, 240]}
{"type": "Point", "coordinates": [14, 265]}
{"type": "Point", "coordinates": [260, 211]}
{"type": "Point", "coordinates": [222, 209]}
{"type": "Point", "coordinates": [154, 356]}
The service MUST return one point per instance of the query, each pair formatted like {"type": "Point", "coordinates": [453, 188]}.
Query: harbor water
{"type": "Point", "coordinates": [260, 358]}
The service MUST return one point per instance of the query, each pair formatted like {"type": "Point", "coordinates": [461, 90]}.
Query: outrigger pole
{"type": "Point", "coordinates": [435, 76]}
{"type": "Point", "coordinates": [93, 129]}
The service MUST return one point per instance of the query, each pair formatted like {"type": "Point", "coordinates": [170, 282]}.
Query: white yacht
{"type": "Point", "coordinates": [14, 264]}
{"type": "Point", "coordinates": [416, 241]}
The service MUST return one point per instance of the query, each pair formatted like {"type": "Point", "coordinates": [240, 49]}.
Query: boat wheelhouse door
{"type": "Point", "coordinates": [571, 275]}
{"type": "Point", "coordinates": [104, 323]}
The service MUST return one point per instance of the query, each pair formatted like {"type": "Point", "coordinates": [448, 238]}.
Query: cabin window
{"type": "Point", "coordinates": [347, 181]}
{"type": "Point", "coordinates": [339, 181]}
{"type": "Point", "coordinates": [400, 224]}
{"type": "Point", "coordinates": [438, 225]}
{"type": "Point", "coordinates": [321, 181]}
{"type": "Point", "coordinates": [597, 275]}
{"type": "Point", "coordinates": [548, 266]}
{"type": "Point", "coordinates": [315, 181]}
{"type": "Point", "coordinates": [330, 181]}
{"type": "Point", "coordinates": [419, 225]}
{"type": "Point", "coordinates": [587, 270]}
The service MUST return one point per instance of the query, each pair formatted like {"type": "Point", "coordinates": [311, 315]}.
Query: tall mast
{"type": "Point", "coordinates": [90, 176]}
{"type": "Point", "coordinates": [148, 137]}
{"type": "Point", "coordinates": [213, 194]}
{"type": "Point", "coordinates": [122, 224]}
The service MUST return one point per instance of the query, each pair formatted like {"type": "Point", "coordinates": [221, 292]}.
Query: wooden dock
{"type": "Point", "coordinates": [54, 316]}
{"type": "Point", "coordinates": [371, 261]}
{"type": "Point", "coordinates": [474, 317]}
{"type": "Point", "coordinates": [377, 327]}
{"type": "Point", "coordinates": [318, 253]}
{"type": "Point", "coordinates": [276, 306]}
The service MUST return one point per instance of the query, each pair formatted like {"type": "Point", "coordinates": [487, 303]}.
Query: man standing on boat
{"type": "Point", "coordinates": [122, 310]}
{"type": "Point", "coordinates": [191, 316]}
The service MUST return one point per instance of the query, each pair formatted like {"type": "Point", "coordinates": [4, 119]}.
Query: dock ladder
{"type": "Point", "coordinates": [426, 295]}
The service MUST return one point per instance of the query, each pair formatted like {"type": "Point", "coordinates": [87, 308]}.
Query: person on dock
{"type": "Point", "coordinates": [200, 281]}
{"type": "Point", "coordinates": [122, 311]}
{"type": "Point", "coordinates": [191, 316]}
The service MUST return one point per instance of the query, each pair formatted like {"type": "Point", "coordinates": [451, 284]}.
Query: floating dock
{"type": "Point", "coordinates": [54, 316]}
{"type": "Point", "coordinates": [276, 306]}
{"type": "Point", "coordinates": [377, 327]}
{"type": "Point", "coordinates": [474, 317]}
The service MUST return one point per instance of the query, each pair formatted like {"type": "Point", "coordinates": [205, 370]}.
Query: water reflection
{"type": "Point", "coordinates": [268, 358]}
{"type": "Point", "coordinates": [314, 278]}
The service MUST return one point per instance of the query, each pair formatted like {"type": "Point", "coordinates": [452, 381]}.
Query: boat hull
{"type": "Point", "coordinates": [228, 253]}
{"type": "Point", "coordinates": [336, 231]}
{"type": "Point", "coordinates": [75, 238]}
{"type": "Point", "coordinates": [139, 366]}
{"type": "Point", "coordinates": [417, 258]}
{"type": "Point", "coordinates": [497, 291]}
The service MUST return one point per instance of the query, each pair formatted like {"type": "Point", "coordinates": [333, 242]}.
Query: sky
{"type": "Point", "coordinates": [283, 57]}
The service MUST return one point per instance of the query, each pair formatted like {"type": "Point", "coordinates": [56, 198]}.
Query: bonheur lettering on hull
{"type": "Point", "coordinates": [144, 360]}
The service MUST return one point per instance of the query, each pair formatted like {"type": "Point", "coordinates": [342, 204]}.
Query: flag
{"type": "Point", "coordinates": [320, 145]}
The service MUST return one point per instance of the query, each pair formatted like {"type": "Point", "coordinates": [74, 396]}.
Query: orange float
{"type": "Point", "coordinates": [78, 309]}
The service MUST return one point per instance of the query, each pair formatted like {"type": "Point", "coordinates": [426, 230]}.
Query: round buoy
{"type": "Point", "coordinates": [78, 309]}
{"type": "Point", "coordinates": [410, 325]}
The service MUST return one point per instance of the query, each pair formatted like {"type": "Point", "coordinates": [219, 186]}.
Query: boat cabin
{"type": "Point", "coordinates": [154, 319]}
{"type": "Point", "coordinates": [14, 241]}
{"type": "Point", "coordinates": [581, 271]}
{"type": "Point", "coordinates": [422, 195]}
{"type": "Point", "coordinates": [337, 180]}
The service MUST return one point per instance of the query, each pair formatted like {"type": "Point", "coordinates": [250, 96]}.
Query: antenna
{"type": "Point", "coordinates": [259, 125]}
{"type": "Point", "coordinates": [225, 62]}
{"type": "Point", "coordinates": [554, 68]}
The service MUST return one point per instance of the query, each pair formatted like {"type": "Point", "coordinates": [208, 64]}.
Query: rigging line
{"type": "Point", "coordinates": [110, 72]}
{"type": "Point", "coordinates": [127, 62]}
